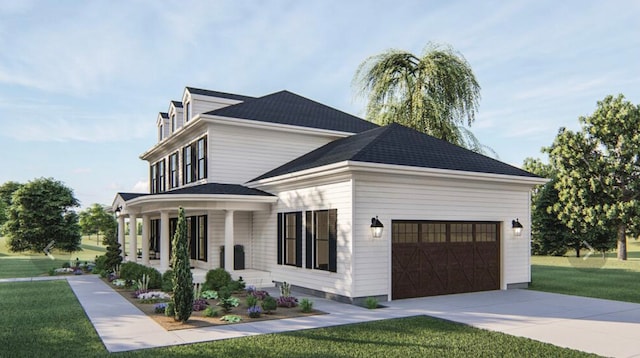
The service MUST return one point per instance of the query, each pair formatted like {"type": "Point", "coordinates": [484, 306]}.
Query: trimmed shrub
{"type": "Point", "coordinates": [132, 272]}
{"type": "Point", "coordinates": [167, 281]}
{"type": "Point", "coordinates": [216, 279]}
{"type": "Point", "coordinates": [269, 304]}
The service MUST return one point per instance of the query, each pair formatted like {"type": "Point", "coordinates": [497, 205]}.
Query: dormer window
{"type": "Point", "coordinates": [174, 124]}
{"type": "Point", "coordinates": [187, 113]}
{"type": "Point", "coordinates": [160, 132]}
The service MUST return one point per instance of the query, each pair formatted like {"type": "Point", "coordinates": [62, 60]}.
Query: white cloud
{"type": "Point", "coordinates": [142, 186]}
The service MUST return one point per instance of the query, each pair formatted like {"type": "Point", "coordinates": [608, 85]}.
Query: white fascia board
{"type": "Point", "coordinates": [171, 139]}
{"type": "Point", "coordinates": [445, 173]}
{"type": "Point", "coordinates": [273, 126]}
{"type": "Point", "coordinates": [343, 166]}
{"type": "Point", "coordinates": [166, 198]}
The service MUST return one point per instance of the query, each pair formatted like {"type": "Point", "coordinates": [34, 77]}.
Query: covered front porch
{"type": "Point", "coordinates": [218, 215]}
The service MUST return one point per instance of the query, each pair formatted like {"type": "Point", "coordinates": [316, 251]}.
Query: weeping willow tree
{"type": "Point", "coordinates": [436, 93]}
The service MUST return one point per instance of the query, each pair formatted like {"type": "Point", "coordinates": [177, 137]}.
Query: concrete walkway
{"type": "Point", "coordinates": [608, 328]}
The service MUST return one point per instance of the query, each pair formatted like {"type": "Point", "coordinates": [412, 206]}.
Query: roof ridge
{"type": "Point", "coordinates": [383, 131]}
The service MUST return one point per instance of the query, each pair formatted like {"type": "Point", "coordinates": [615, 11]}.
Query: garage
{"type": "Point", "coordinates": [432, 258]}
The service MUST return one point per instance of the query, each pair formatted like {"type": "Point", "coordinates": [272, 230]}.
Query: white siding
{"type": "Point", "coordinates": [403, 198]}
{"type": "Point", "coordinates": [239, 154]}
{"type": "Point", "coordinates": [336, 195]}
{"type": "Point", "coordinates": [242, 235]}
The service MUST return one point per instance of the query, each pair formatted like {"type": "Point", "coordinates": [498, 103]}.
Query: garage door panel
{"type": "Point", "coordinates": [469, 263]}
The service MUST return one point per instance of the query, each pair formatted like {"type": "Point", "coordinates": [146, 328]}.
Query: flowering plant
{"type": "Point", "coordinates": [153, 295]}
{"type": "Point", "coordinates": [254, 311]}
{"type": "Point", "coordinates": [160, 308]}
{"type": "Point", "coordinates": [118, 282]}
{"type": "Point", "coordinates": [288, 301]}
{"type": "Point", "coordinates": [260, 295]}
{"type": "Point", "coordinates": [200, 304]}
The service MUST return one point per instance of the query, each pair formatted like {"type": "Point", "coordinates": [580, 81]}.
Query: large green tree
{"type": "Point", "coordinates": [599, 172]}
{"type": "Point", "coordinates": [95, 220]}
{"type": "Point", "coordinates": [41, 211]}
{"type": "Point", "coordinates": [435, 93]}
{"type": "Point", "coordinates": [183, 278]}
{"type": "Point", "coordinates": [549, 235]}
{"type": "Point", "coordinates": [6, 193]}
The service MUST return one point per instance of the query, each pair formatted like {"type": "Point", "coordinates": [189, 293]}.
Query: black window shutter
{"type": "Point", "coordinates": [206, 238]}
{"type": "Point", "coordinates": [299, 239]}
{"type": "Point", "coordinates": [193, 238]}
{"type": "Point", "coordinates": [309, 239]}
{"type": "Point", "coordinates": [333, 240]}
{"type": "Point", "coordinates": [279, 254]}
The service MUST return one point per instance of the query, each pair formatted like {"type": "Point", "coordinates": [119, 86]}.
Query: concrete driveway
{"type": "Point", "coordinates": [608, 328]}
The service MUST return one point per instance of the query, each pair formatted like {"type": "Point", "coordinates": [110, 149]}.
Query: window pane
{"type": "Point", "coordinates": [434, 232]}
{"type": "Point", "coordinates": [486, 232]}
{"type": "Point", "coordinates": [202, 238]}
{"type": "Point", "coordinates": [290, 239]}
{"type": "Point", "coordinates": [322, 240]}
{"type": "Point", "coordinates": [461, 232]}
{"type": "Point", "coordinates": [405, 232]}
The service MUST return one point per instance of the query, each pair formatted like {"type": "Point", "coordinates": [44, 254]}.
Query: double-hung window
{"type": "Point", "coordinates": [157, 177]}
{"type": "Point", "coordinates": [320, 239]}
{"type": "Point", "coordinates": [194, 157]}
{"type": "Point", "coordinates": [290, 239]}
{"type": "Point", "coordinates": [173, 171]}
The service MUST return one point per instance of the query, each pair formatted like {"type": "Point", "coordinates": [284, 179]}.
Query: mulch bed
{"type": "Point", "coordinates": [198, 320]}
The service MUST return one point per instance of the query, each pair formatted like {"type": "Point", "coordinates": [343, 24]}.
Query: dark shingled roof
{"type": "Point", "coordinates": [209, 93]}
{"type": "Point", "coordinates": [215, 188]}
{"type": "Point", "coordinates": [164, 114]}
{"type": "Point", "coordinates": [398, 145]}
{"type": "Point", "coordinates": [177, 104]}
{"type": "Point", "coordinates": [129, 196]}
{"type": "Point", "coordinates": [289, 108]}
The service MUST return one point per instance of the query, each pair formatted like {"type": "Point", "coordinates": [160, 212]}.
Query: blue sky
{"type": "Point", "coordinates": [81, 83]}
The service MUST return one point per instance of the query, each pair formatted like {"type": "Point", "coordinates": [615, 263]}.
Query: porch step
{"type": "Point", "coordinates": [257, 278]}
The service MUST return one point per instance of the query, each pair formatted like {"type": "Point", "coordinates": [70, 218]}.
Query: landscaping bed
{"type": "Point", "coordinates": [199, 318]}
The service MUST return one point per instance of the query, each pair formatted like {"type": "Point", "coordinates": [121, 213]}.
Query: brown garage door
{"type": "Point", "coordinates": [435, 258]}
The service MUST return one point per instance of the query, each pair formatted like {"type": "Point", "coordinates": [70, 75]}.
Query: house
{"type": "Point", "coordinates": [282, 188]}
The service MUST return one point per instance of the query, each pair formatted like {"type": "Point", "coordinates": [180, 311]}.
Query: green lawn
{"type": "Point", "coordinates": [38, 264]}
{"type": "Point", "coordinates": [594, 277]}
{"type": "Point", "coordinates": [45, 319]}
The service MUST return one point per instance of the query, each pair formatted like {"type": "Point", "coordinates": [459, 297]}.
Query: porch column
{"type": "Point", "coordinates": [145, 239]}
{"type": "Point", "coordinates": [228, 241]}
{"type": "Point", "coordinates": [121, 234]}
{"type": "Point", "coordinates": [164, 240]}
{"type": "Point", "coordinates": [133, 237]}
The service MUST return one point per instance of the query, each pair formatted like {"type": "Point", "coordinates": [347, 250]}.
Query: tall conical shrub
{"type": "Point", "coordinates": [114, 253]}
{"type": "Point", "coordinates": [183, 279]}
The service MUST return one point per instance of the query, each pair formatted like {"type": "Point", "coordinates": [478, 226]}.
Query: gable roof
{"type": "Point", "coordinates": [398, 145]}
{"type": "Point", "coordinates": [129, 196]}
{"type": "Point", "coordinates": [210, 93]}
{"type": "Point", "coordinates": [289, 108]}
{"type": "Point", "coordinates": [177, 104]}
{"type": "Point", "coordinates": [164, 115]}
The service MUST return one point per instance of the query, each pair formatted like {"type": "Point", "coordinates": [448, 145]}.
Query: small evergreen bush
{"type": "Point", "coordinates": [306, 305]}
{"type": "Point", "coordinates": [269, 304]}
{"type": "Point", "coordinates": [216, 279]}
{"type": "Point", "coordinates": [167, 281]}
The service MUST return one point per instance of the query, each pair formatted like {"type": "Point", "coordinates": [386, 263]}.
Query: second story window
{"type": "Point", "coordinates": [202, 158]}
{"type": "Point", "coordinates": [194, 157]}
{"type": "Point", "coordinates": [157, 179]}
{"type": "Point", "coordinates": [187, 112]}
{"type": "Point", "coordinates": [173, 171]}
{"type": "Point", "coordinates": [187, 159]}
{"type": "Point", "coordinates": [174, 124]}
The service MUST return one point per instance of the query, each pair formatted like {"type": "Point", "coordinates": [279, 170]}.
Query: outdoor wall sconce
{"type": "Point", "coordinates": [118, 211]}
{"type": "Point", "coordinates": [376, 228]}
{"type": "Point", "coordinates": [517, 227]}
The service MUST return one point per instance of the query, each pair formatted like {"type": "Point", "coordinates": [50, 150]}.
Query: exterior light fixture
{"type": "Point", "coordinates": [376, 228]}
{"type": "Point", "coordinates": [517, 227]}
{"type": "Point", "coordinates": [118, 211]}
